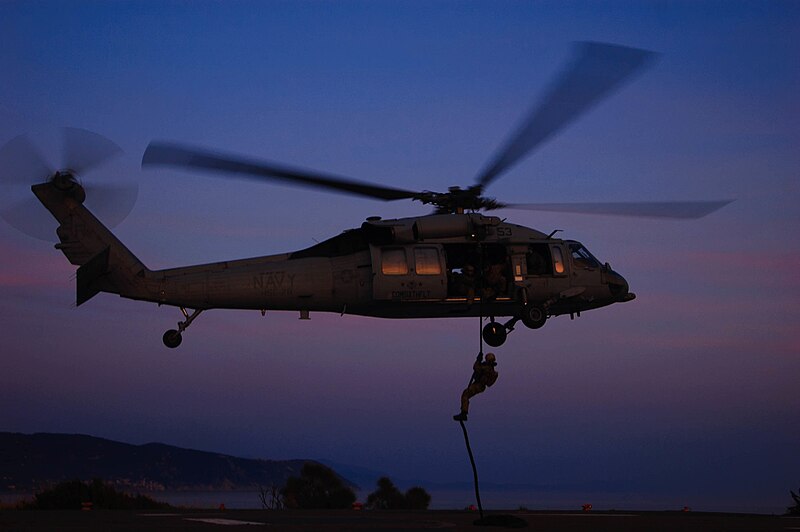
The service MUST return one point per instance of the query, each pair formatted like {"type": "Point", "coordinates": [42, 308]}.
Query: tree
{"type": "Point", "coordinates": [317, 487]}
{"type": "Point", "coordinates": [271, 498]}
{"type": "Point", "coordinates": [388, 497]}
{"type": "Point", "coordinates": [417, 499]}
{"type": "Point", "coordinates": [794, 510]}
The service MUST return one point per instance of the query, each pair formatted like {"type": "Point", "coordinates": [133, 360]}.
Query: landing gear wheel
{"type": "Point", "coordinates": [172, 338]}
{"type": "Point", "coordinates": [533, 316]}
{"type": "Point", "coordinates": [494, 334]}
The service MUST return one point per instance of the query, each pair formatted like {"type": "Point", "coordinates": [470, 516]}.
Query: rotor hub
{"type": "Point", "coordinates": [457, 200]}
{"type": "Point", "coordinates": [65, 181]}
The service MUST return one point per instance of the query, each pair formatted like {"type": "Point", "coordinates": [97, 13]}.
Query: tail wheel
{"type": "Point", "coordinates": [494, 334]}
{"type": "Point", "coordinates": [533, 316]}
{"type": "Point", "coordinates": [172, 338]}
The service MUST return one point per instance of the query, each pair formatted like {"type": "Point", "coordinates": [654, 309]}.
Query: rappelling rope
{"type": "Point", "coordinates": [479, 290]}
{"type": "Point", "coordinates": [474, 469]}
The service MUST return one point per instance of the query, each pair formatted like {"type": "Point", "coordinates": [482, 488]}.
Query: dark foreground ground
{"type": "Point", "coordinates": [17, 520]}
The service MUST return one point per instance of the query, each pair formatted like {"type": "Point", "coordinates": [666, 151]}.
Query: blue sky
{"type": "Point", "coordinates": [686, 394]}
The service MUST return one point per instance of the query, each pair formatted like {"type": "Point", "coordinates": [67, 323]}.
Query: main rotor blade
{"type": "Point", "coordinates": [646, 209]}
{"type": "Point", "coordinates": [597, 70]}
{"type": "Point", "coordinates": [169, 154]}
{"type": "Point", "coordinates": [83, 150]}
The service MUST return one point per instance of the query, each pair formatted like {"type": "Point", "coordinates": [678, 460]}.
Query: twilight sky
{"type": "Point", "coordinates": [688, 395]}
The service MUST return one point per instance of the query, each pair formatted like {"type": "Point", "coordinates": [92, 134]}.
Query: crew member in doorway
{"type": "Point", "coordinates": [483, 376]}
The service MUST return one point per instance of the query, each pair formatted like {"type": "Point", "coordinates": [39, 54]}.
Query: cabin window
{"type": "Point", "coordinates": [558, 260]}
{"type": "Point", "coordinates": [393, 261]}
{"type": "Point", "coordinates": [426, 261]}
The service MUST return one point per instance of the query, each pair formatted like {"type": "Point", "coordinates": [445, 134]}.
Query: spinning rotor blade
{"type": "Point", "coordinates": [597, 70]}
{"type": "Point", "coordinates": [29, 217]}
{"type": "Point", "coordinates": [169, 154]}
{"type": "Point", "coordinates": [644, 209]}
{"type": "Point", "coordinates": [21, 163]}
{"type": "Point", "coordinates": [110, 197]}
{"type": "Point", "coordinates": [111, 203]}
{"type": "Point", "coordinates": [83, 150]}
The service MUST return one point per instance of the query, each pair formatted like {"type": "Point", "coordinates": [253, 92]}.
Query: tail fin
{"type": "Point", "coordinates": [90, 275]}
{"type": "Point", "coordinates": [105, 264]}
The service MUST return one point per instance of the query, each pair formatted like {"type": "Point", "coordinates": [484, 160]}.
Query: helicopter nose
{"type": "Point", "coordinates": [619, 288]}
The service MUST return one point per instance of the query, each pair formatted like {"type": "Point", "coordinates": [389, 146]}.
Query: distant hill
{"type": "Point", "coordinates": [31, 461]}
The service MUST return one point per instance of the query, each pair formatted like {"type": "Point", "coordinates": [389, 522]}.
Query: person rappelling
{"type": "Point", "coordinates": [483, 376]}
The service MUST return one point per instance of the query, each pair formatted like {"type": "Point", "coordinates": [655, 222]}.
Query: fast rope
{"type": "Point", "coordinates": [478, 290]}
{"type": "Point", "coordinates": [474, 469]}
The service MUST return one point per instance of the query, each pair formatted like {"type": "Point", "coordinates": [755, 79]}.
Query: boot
{"type": "Point", "coordinates": [460, 417]}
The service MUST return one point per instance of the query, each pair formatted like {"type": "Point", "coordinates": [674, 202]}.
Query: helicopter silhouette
{"type": "Point", "coordinates": [454, 262]}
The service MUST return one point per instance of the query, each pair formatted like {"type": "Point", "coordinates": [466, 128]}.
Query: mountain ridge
{"type": "Point", "coordinates": [29, 462]}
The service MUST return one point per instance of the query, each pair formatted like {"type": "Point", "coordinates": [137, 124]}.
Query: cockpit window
{"type": "Point", "coordinates": [581, 256]}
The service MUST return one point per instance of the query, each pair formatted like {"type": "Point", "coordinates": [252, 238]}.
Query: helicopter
{"type": "Point", "coordinates": [454, 262]}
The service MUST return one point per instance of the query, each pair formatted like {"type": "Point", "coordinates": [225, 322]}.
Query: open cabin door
{"type": "Point", "coordinates": [543, 268]}
{"type": "Point", "coordinates": [408, 273]}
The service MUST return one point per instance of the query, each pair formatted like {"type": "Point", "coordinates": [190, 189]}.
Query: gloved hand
{"type": "Point", "coordinates": [480, 357]}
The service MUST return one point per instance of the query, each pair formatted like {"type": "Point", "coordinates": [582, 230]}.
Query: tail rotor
{"type": "Point", "coordinates": [110, 197]}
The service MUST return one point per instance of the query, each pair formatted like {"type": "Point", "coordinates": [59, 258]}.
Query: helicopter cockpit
{"type": "Point", "coordinates": [614, 285]}
{"type": "Point", "coordinates": [581, 257]}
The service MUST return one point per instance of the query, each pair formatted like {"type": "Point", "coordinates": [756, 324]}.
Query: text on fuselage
{"type": "Point", "coordinates": [274, 283]}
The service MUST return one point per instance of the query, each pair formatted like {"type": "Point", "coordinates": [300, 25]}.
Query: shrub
{"type": "Point", "coordinates": [72, 494]}
{"type": "Point", "coordinates": [388, 497]}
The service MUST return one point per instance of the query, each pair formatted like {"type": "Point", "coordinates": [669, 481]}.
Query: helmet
{"type": "Point", "coordinates": [490, 358]}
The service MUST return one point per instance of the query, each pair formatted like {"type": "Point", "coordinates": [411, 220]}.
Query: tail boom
{"type": "Point", "coordinates": [104, 263]}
